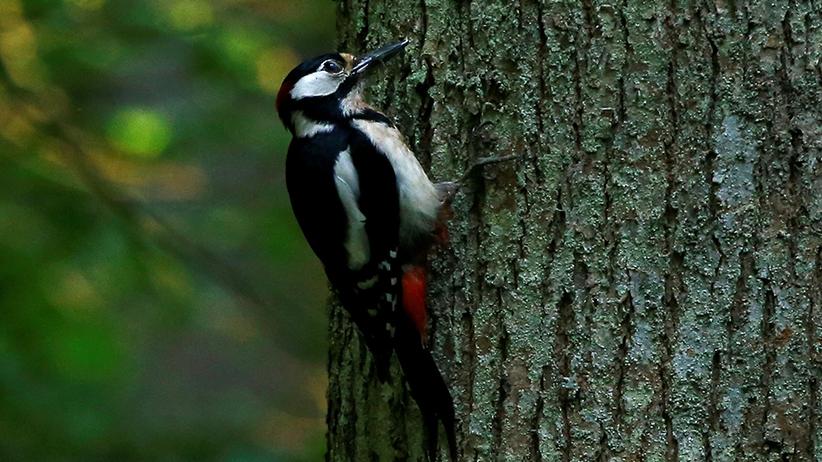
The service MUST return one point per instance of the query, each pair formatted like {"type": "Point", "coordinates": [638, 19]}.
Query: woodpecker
{"type": "Point", "coordinates": [370, 213]}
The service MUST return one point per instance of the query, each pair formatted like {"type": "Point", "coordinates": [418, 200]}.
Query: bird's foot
{"type": "Point", "coordinates": [483, 161]}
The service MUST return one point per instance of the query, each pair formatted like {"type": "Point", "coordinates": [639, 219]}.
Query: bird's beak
{"type": "Point", "coordinates": [368, 60]}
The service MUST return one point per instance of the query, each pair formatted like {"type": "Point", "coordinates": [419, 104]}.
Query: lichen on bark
{"type": "Point", "coordinates": [644, 282]}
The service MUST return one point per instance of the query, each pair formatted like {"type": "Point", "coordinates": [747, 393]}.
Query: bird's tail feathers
{"type": "Point", "coordinates": [426, 384]}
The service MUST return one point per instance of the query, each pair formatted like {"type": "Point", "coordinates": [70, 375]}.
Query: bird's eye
{"type": "Point", "coordinates": [332, 67]}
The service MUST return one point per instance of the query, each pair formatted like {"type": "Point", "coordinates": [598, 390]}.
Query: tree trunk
{"type": "Point", "coordinates": [644, 283]}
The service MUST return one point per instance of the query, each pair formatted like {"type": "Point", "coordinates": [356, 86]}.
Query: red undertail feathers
{"type": "Point", "coordinates": [413, 299]}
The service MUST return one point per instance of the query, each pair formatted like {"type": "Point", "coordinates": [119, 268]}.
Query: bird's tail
{"type": "Point", "coordinates": [425, 382]}
{"type": "Point", "coordinates": [427, 386]}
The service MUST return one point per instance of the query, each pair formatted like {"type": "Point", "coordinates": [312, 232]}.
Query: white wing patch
{"type": "Point", "coordinates": [318, 83]}
{"type": "Point", "coordinates": [419, 202]}
{"type": "Point", "coordinates": [348, 188]}
{"type": "Point", "coordinates": [306, 128]}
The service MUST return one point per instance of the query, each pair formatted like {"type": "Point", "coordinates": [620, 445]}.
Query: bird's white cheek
{"type": "Point", "coordinates": [316, 84]}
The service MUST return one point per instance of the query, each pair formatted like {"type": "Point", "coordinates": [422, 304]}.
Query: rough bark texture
{"type": "Point", "coordinates": [644, 284]}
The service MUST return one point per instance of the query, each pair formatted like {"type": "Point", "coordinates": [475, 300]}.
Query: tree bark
{"type": "Point", "coordinates": [644, 283]}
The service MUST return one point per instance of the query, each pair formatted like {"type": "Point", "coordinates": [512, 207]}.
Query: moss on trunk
{"type": "Point", "coordinates": [644, 284]}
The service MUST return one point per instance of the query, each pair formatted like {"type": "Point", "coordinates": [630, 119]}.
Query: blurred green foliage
{"type": "Point", "coordinates": [157, 301]}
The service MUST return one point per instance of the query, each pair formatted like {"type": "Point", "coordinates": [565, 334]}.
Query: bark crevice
{"type": "Point", "coordinates": [642, 285]}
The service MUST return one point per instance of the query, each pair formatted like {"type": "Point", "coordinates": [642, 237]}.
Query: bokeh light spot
{"type": "Point", "coordinates": [239, 49]}
{"type": "Point", "coordinates": [190, 14]}
{"type": "Point", "coordinates": [272, 67]}
{"type": "Point", "coordinates": [89, 5]}
{"type": "Point", "coordinates": [18, 51]}
{"type": "Point", "coordinates": [140, 132]}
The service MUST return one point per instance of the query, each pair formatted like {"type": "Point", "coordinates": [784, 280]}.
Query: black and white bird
{"type": "Point", "coordinates": [370, 213]}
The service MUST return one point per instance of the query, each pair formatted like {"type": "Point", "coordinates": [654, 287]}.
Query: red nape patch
{"type": "Point", "coordinates": [413, 299]}
{"type": "Point", "coordinates": [285, 89]}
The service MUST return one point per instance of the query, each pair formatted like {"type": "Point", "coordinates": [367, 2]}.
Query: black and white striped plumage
{"type": "Point", "coordinates": [368, 211]}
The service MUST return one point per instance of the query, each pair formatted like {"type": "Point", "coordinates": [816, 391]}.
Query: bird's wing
{"type": "Point", "coordinates": [407, 289]}
{"type": "Point", "coordinates": [373, 295]}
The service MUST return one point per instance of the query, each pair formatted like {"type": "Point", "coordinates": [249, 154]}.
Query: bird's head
{"type": "Point", "coordinates": [327, 88]}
